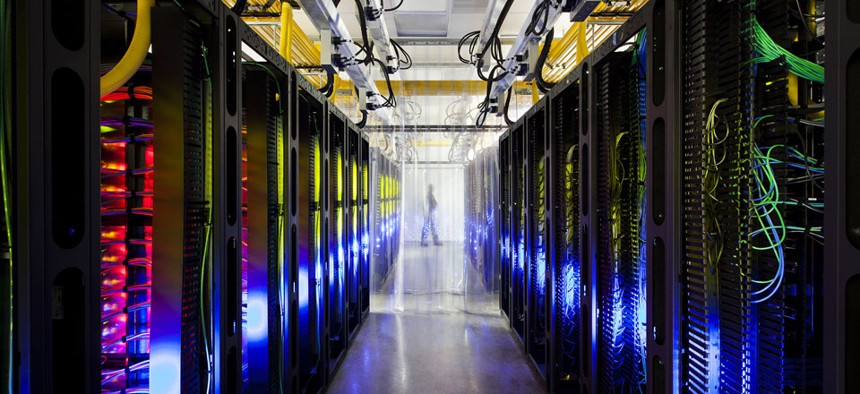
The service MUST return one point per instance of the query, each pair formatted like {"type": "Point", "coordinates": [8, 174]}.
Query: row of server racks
{"type": "Point", "coordinates": [386, 203]}
{"type": "Point", "coordinates": [481, 229]}
{"type": "Point", "coordinates": [203, 228]}
{"type": "Point", "coordinates": [664, 225]}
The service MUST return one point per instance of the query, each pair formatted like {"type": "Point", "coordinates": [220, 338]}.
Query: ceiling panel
{"type": "Point", "coordinates": [469, 6]}
{"type": "Point", "coordinates": [424, 24]}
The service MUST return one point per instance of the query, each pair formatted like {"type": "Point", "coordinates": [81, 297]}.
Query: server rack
{"type": "Point", "coordinates": [752, 184]}
{"type": "Point", "coordinates": [564, 234]}
{"type": "Point", "coordinates": [353, 206]}
{"type": "Point", "coordinates": [842, 274]}
{"type": "Point", "coordinates": [338, 132]}
{"type": "Point", "coordinates": [367, 174]}
{"type": "Point", "coordinates": [504, 215]}
{"type": "Point", "coordinates": [386, 221]}
{"type": "Point", "coordinates": [535, 210]}
{"type": "Point", "coordinates": [309, 228]}
{"type": "Point", "coordinates": [518, 233]}
{"type": "Point", "coordinates": [618, 94]}
{"type": "Point", "coordinates": [264, 202]}
{"type": "Point", "coordinates": [481, 230]}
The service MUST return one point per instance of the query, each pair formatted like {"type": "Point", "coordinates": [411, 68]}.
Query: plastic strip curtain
{"type": "Point", "coordinates": [434, 190]}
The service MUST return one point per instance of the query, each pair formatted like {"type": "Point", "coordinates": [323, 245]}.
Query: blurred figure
{"type": "Point", "coordinates": [430, 219]}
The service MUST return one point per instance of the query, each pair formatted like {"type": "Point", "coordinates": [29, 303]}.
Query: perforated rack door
{"type": "Point", "coordinates": [180, 207]}
{"type": "Point", "coordinates": [564, 243]}
{"type": "Point", "coordinates": [265, 226]}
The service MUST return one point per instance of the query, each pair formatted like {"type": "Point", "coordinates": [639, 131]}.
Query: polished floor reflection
{"type": "Point", "coordinates": [435, 353]}
{"type": "Point", "coordinates": [436, 344]}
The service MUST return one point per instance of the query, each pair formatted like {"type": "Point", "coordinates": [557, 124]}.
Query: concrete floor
{"type": "Point", "coordinates": [434, 350]}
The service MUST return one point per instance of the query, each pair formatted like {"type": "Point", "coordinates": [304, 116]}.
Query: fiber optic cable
{"type": "Point", "coordinates": [769, 51]}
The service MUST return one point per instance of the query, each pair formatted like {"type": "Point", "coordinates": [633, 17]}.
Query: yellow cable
{"type": "Point", "coordinates": [286, 40]}
{"type": "Point", "coordinates": [136, 53]}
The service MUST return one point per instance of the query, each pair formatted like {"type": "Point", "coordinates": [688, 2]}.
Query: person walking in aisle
{"type": "Point", "coordinates": [430, 219]}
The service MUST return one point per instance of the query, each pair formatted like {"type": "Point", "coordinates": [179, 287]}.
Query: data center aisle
{"type": "Point", "coordinates": [426, 340]}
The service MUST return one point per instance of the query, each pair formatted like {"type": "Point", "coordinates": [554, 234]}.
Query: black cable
{"type": "Point", "coordinates": [542, 9]}
{"type": "Point", "coordinates": [404, 60]}
{"type": "Point", "coordinates": [543, 85]}
{"type": "Point", "coordinates": [393, 8]}
{"type": "Point", "coordinates": [473, 36]}
{"type": "Point", "coordinates": [507, 105]}
{"type": "Point", "coordinates": [239, 7]}
{"type": "Point", "coordinates": [390, 101]}
{"type": "Point", "coordinates": [363, 119]}
{"type": "Point", "coordinates": [368, 45]}
{"type": "Point", "coordinates": [328, 89]}
{"type": "Point", "coordinates": [484, 107]}
{"type": "Point", "coordinates": [498, 27]}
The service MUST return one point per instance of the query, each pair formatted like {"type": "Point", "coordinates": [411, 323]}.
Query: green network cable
{"type": "Point", "coordinates": [769, 51]}
{"type": "Point", "coordinates": [710, 182]}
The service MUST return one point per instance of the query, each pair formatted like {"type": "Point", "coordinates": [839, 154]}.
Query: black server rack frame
{"type": "Point", "coordinates": [227, 225]}
{"type": "Point", "coordinates": [384, 200]}
{"type": "Point", "coordinates": [56, 178]}
{"type": "Point", "coordinates": [264, 103]}
{"type": "Point", "coordinates": [535, 234]}
{"type": "Point", "coordinates": [282, 367]}
{"type": "Point", "coordinates": [335, 286]}
{"type": "Point", "coordinates": [354, 268]}
{"type": "Point", "coordinates": [663, 149]}
{"type": "Point", "coordinates": [618, 156]}
{"type": "Point", "coordinates": [307, 156]}
{"type": "Point", "coordinates": [365, 239]}
{"type": "Point", "coordinates": [842, 220]}
{"type": "Point", "coordinates": [504, 230]}
{"type": "Point", "coordinates": [596, 227]}
{"type": "Point", "coordinates": [179, 217]}
{"type": "Point", "coordinates": [566, 127]}
{"type": "Point", "coordinates": [750, 279]}
{"type": "Point", "coordinates": [517, 228]}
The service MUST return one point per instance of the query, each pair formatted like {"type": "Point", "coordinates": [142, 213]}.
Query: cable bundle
{"type": "Point", "coordinates": [126, 239]}
{"type": "Point", "coordinates": [769, 51]}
